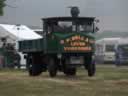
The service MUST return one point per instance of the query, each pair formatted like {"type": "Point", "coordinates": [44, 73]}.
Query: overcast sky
{"type": "Point", "coordinates": [112, 13]}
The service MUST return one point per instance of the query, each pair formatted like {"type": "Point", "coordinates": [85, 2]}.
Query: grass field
{"type": "Point", "coordinates": [109, 81]}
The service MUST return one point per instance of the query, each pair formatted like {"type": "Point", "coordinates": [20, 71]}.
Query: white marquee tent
{"type": "Point", "coordinates": [14, 33]}
{"type": "Point", "coordinates": [20, 32]}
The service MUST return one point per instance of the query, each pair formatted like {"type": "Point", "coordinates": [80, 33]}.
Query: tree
{"type": "Point", "coordinates": [2, 5]}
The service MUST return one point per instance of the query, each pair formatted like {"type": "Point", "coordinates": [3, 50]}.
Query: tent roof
{"type": "Point", "coordinates": [108, 40]}
{"type": "Point", "coordinates": [119, 41]}
{"type": "Point", "coordinates": [123, 41]}
{"type": "Point", "coordinates": [24, 33]}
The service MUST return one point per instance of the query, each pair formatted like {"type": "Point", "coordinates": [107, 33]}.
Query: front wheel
{"type": "Point", "coordinates": [90, 64]}
{"type": "Point", "coordinates": [91, 69]}
{"type": "Point", "coordinates": [52, 67]}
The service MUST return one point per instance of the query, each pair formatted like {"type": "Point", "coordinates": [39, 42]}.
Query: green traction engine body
{"type": "Point", "coordinates": [66, 43]}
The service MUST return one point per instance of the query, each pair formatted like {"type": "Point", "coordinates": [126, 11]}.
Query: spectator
{"type": "Point", "coordinates": [17, 59]}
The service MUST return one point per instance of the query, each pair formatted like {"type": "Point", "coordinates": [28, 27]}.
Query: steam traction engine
{"type": "Point", "coordinates": [67, 42]}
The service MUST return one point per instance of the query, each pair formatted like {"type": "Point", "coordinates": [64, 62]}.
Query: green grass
{"type": "Point", "coordinates": [109, 81]}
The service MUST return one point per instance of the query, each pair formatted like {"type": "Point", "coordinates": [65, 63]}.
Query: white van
{"type": "Point", "coordinates": [121, 52]}
{"type": "Point", "coordinates": [105, 50]}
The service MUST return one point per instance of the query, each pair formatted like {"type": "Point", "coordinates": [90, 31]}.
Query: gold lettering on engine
{"type": "Point", "coordinates": [77, 43]}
